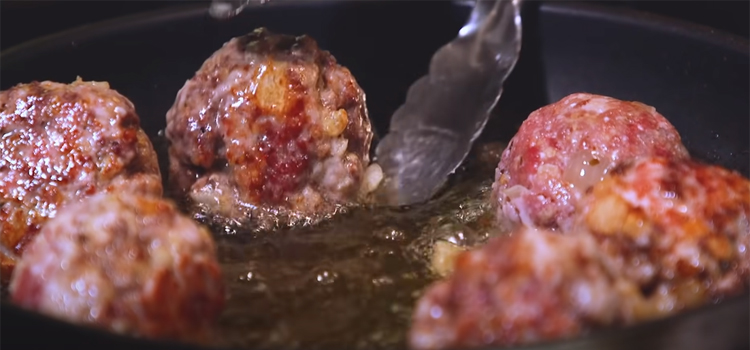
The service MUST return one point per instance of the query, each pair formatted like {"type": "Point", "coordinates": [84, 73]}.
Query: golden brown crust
{"type": "Point", "coordinates": [126, 262]}
{"type": "Point", "coordinates": [63, 142]}
{"type": "Point", "coordinates": [655, 237]}
{"type": "Point", "coordinates": [563, 148]}
{"type": "Point", "coordinates": [522, 288]}
{"type": "Point", "coordinates": [270, 123]}
{"type": "Point", "coordinates": [677, 228]}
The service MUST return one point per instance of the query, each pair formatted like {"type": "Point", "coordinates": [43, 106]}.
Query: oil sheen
{"type": "Point", "coordinates": [350, 282]}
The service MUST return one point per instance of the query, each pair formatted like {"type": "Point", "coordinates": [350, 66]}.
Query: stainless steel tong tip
{"type": "Point", "coordinates": [225, 9]}
{"type": "Point", "coordinates": [432, 132]}
{"type": "Point", "coordinates": [446, 110]}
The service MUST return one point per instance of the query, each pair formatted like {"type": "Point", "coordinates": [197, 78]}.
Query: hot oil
{"type": "Point", "coordinates": [350, 282]}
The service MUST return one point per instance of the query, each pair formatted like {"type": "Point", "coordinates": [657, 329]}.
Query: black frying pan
{"type": "Point", "coordinates": [696, 77]}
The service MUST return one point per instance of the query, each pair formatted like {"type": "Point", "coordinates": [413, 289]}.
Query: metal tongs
{"type": "Point", "coordinates": [445, 111]}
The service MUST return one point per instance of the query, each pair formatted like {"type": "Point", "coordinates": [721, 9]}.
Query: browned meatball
{"type": "Point", "coordinates": [564, 148]}
{"type": "Point", "coordinates": [270, 130]}
{"type": "Point", "coordinates": [61, 143]}
{"type": "Point", "coordinates": [125, 262]}
{"type": "Point", "coordinates": [679, 229]}
{"type": "Point", "coordinates": [529, 286]}
{"type": "Point", "coordinates": [656, 236]}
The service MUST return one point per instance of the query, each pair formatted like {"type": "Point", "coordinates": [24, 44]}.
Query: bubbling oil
{"type": "Point", "coordinates": [349, 282]}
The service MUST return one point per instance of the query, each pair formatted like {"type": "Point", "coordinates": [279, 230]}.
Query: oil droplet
{"type": "Point", "coordinates": [326, 277]}
{"type": "Point", "coordinates": [585, 170]}
{"type": "Point", "coordinates": [390, 233]}
{"type": "Point", "coordinates": [249, 276]}
{"type": "Point", "coordinates": [382, 281]}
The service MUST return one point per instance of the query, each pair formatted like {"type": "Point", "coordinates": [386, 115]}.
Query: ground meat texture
{"type": "Point", "coordinates": [677, 228]}
{"type": "Point", "coordinates": [529, 286]}
{"type": "Point", "coordinates": [125, 262]}
{"type": "Point", "coordinates": [61, 143]}
{"type": "Point", "coordinates": [564, 148]}
{"type": "Point", "coordinates": [270, 130]}
{"type": "Point", "coordinates": [654, 237]}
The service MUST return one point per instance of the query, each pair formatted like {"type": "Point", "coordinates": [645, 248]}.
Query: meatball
{"type": "Point", "coordinates": [655, 237]}
{"type": "Point", "coordinates": [528, 286]}
{"type": "Point", "coordinates": [564, 148]}
{"type": "Point", "coordinates": [270, 131]}
{"type": "Point", "coordinates": [125, 262]}
{"type": "Point", "coordinates": [679, 229]}
{"type": "Point", "coordinates": [61, 143]}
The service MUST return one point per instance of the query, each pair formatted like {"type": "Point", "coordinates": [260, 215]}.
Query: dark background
{"type": "Point", "coordinates": [22, 20]}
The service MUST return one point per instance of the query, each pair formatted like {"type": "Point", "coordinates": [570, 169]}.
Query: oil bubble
{"type": "Point", "coordinates": [325, 276]}
{"type": "Point", "coordinates": [390, 233]}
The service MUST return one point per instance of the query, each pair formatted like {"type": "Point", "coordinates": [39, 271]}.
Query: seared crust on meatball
{"type": "Point", "coordinates": [564, 148]}
{"type": "Point", "coordinates": [679, 229]}
{"type": "Point", "coordinates": [528, 286]}
{"type": "Point", "coordinates": [61, 143]}
{"type": "Point", "coordinates": [125, 262]}
{"type": "Point", "coordinates": [269, 130]}
{"type": "Point", "coordinates": [655, 237]}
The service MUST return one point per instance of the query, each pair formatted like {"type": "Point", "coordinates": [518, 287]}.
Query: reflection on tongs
{"type": "Point", "coordinates": [445, 111]}
{"type": "Point", "coordinates": [225, 9]}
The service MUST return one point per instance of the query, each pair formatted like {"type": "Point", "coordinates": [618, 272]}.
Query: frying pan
{"type": "Point", "coordinates": [695, 76]}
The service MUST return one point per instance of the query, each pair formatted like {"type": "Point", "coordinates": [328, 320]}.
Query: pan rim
{"type": "Point", "coordinates": [639, 18]}
{"type": "Point", "coordinates": [568, 343]}
{"type": "Point", "coordinates": [107, 27]}
{"type": "Point", "coordinates": [642, 19]}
